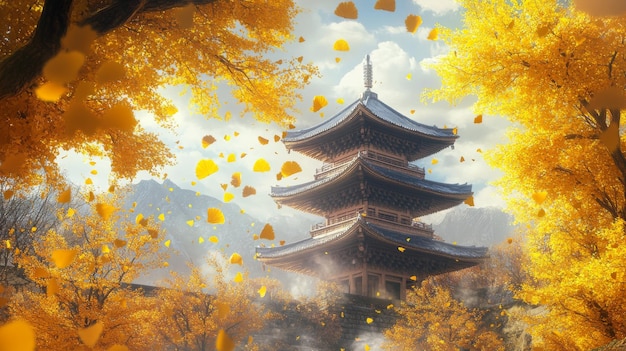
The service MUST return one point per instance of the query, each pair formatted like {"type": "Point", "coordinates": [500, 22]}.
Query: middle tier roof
{"type": "Point", "coordinates": [362, 178]}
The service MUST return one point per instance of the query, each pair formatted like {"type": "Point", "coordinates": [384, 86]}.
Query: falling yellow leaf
{"type": "Point", "coordinates": [434, 34]}
{"type": "Point", "coordinates": [479, 150]}
{"type": "Point", "coordinates": [139, 219]}
{"type": "Point", "coordinates": [88, 181]}
{"type": "Point", "coordinates": [347, 10]}
{"type": "Point", "coordinates": [248, 191]}
{"type": "Point", "coordinates": [261, 166]}
{"type": "Point", "coordinates": [228, 197]}
{"type": "Point", "coordinates": [413, 278]}
{"type": "Point", "coordinates": [110, 71]}
{"type": "Point", "coordinates": [540, 196]}
{"type": "Point", "coordinates": [207, 140]}
{"type": "Point", "coordinates": [369, 320]}
{"type": "Point", "coordinates": [200, 240]}
{"type": "Point", "coordinates": [190, 222]}
{"type": "Point", "coordinates": [63, 67]}
{"type": "Point", "coordinates": [401, 249]}
{"type": "Point", "coordinates": [541, 213]}
{"type": "Point", "coordinates": [70, 212]}
{"type": "Point", "coordinates": [205, 168]}
{"type": "Point", "coordinates": [409, 76]}
{"type": "Point", "coordinates": [319, 102]}
{"type": "Point", "coordinates": [301, 40]}
{"type": "Point", "coordinates": [223, 342]}
{"type": "Point", "coordinates": [231, 158]}
{"type": "Point", "coordinates": [17, 335]}
{"type": "Point", "coordinates": [276, 138]}
{"type": "Point", "coordinates": [434, 161]}
{"type": "Point", "coordinates": [238, 277]}
{"type": "Point", "coordinates": [262, 140]}
{"type": "Point", "coordinates": [214, 239]}
{"type": "Point", "coordinates": [161, 217]}
{"type": "Point", "coordinates": [478, 119]}
{"type": "Point", "coordinates": [90, 335]}
{"type": "Point", "coordinates": [235, 179]}
{"type": "Point", "coordinates": [469, 201]}
{"type": "Point", "coordinates": [236, 258]}
{"type": "Point", "coordinates": [387, 5]}
{"type": "Point", "coordinates": [412, 22]}
{"type": "Point", "coordinates": [167, 243]}
{"type": "Point", "coordinates": [50, 92]}
{"type": "Point", "coordinates": [63, 257]}
{"type": "Point", "coordinates": [94, 172]}
{"type": "Point", "coordinates": [105, 210]}
{"type": "Point", "coordinates": [300, 58]}
{"type": "Point", "coordinates": [462, 159]}
{"type": "Point", "coordinates": [65, 196]}
{"type": "Point", "coordinates": [412, 111]}
{"type": "Point", "coordinates": [337, 59]}
{"type": "Point", "coordinates": [340, 101]}
{"type": "Point", "coordinates": [91, 196]}
{"type": "Point", "coordinates": [267, 232]}
{"type": "Point", "coordinates": [215, 216]}
{"type": "Point", "coordinates": [340, 45]}
{"type": "Point", "coordinates": [227, 137]}
{"type": "Point", "coordinates": [119, 243]}
{"type": "Point", "coordinates": [289, 168]}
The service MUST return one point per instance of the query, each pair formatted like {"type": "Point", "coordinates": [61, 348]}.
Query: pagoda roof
{"type": "Point", "coordinates": [380, 112]}
{"type": "Point", "coordinates": [449, 194]}
{"type": "Point", "coordinates": [288, 256]}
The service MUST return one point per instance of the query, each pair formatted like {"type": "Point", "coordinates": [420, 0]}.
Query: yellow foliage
{"type": "Point", "coordinates": [552, 71]}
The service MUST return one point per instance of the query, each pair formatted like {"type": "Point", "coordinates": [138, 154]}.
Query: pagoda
{"type": "Point", "coordinates": [371, 194]}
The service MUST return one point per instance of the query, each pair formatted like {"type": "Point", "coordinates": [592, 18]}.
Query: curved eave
{"type": "Point", "coordinates": [306, 140]}
{"type": "Point", "coordinates": [290, 255]}
{"type": "Point", "coordinates": [291, 195]}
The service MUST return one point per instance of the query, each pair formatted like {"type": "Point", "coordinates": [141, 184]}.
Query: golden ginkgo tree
{"type": "Point", "coordinates": [73, 73]}
{"type": "Point", "coordinates": [83, 272]}
{"type": "Point", "coordinates": [558, 74]}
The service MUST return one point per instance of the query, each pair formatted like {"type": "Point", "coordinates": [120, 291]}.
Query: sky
{"type": "Point", "coordinates": [400, 78]}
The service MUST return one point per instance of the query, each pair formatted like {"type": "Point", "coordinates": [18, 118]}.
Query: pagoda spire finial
{"type": "Point", "coordinates": [367, 73]}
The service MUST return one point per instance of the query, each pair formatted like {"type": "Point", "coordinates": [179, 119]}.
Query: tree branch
{"type": "Point", "coordinates": [19, 69]}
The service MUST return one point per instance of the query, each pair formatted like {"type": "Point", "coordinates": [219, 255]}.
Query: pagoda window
{"type": "Point", "coordinates": [393, 287]}
{"type": "Point", "coordinates": [358, 286]}
{"type": "Point", "coordinates": [373, 285]}
{"type": "Point", "coordinates": [388, 216]}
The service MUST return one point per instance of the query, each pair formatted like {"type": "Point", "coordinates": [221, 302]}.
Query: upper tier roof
{"type": "Point", "coordinates": [424, 140]}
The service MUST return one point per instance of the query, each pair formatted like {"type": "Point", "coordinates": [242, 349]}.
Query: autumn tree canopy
{"type": "Point", "coordinates": [559, 75]}
{"type": "Point", "coordinates": [72, 74]}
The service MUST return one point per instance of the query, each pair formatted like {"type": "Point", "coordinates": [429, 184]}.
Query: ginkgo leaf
{"type": "Point", "coordinates": [401, 249]}
{"type": "Point", "coordinates": [267, 233]}
{"type": "Point", "coordinates": [228, 197]}
{"type": "Point", "coordinates": [190, 222]}
{"type": "Point", "coordinates": [238, 277]}
{"type": "Point", "coordinates": [65, 196]}
{"type": "Point", "coordinates": [276, 138]}
{"type": "Point", "coordinates": [387, 5]}
{"type": "Point", "coordinates": [281, 243]}
{"type": "Point", "coordinates": [223, 342]}
{"type": "Point", "coordinates": [341, 45]}
{"type": "Point", "coordinates": [236, 258]}
{"type": "Point", "coordinates": [413, 278]}
{"type": "Point", "coordinates": [200, 240]}
{"type": "Point", "coordinates": [236, 179]}
{"type": "Point", "coordinates": [91, 196]}
{"type": "Point", "coordinates": [227, 137]}
{"type": "Point", "coordinates": [161, 217]}
{"type": "Point", "coordinates": [207, 140]}
{"type": "Point", "coordinates": [262, 291]}
{"type": "Point", "coordinates": [462, 159]}
{"type": "Point", "coordinates": [434, 161]}
{"type": "Point", "coordinates": [110, 71]}
{"type": "Point", "coordinates": [412, 111]}
{"type": "Point", "coordinates": [319, 102]}
{"type": "Point", "coordinates": [88, 181]}
{"type": "Point", "coordinates": [540, 196]}
{"type": "Point", "coordinates": [214, 239]}
{"type": "Point", "coordinates": [90, 335]}
{"type": "Point", "coordinates": [139, 219]}
{"type": "Point", "coordinates": [347, 10]}
{"type": "Point", "coordinates": [369, 320]}
{"type": "Point", "coordinates": [215, 216]}
{"type": "Point", "coordinates": [231, 158]}
{"type": "Point", "coordinates": [94, 172]}
{"type": "Point", "coordinates": [289, 168]}
{"type": "Point", "coordinates": [119, 243]}
{"type": "Point", "coordinates": [279, 176]}
{"type": "Point", "coordinates": [469, 201]}
{"type": "Point", "coordinates": [105, 210]}
{"type": "Point", "coordinates": [434, 34]}
{"type": "Point", "coordinates": [541, 212]}
{"type": "Point", "coordinates": [301, 40]}
{"type": "Point", "coordinates": [205, 168]}
{"type": "Point", "coordinates": [248, 191]}
{"type": "Point", "coordinates": [478, 119]}
{"type": "Point", "coordinates": [64, 67]}
{"type": "Point", "coordinates": [409, 76]}
{"type": "Point", "coordinates": [263, 141]}
{"type": "Point", "coordinates": [17, 335]}
{"type": "Point", "coordinates": [167, 243]}
{"type": "Point", "coordinates": [62, 258]}
{"type": "Point", "coordinates": [412, 22]}
{"type": "Point", "coordinates": [50, 91]}
{"type": "Point", "coordinates": [340, 101]}
{"type": "Point", "coordinates": [261, 166]}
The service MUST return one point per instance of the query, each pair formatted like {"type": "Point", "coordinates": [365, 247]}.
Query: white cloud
{"type": "Point", "coordinates": [438, 7]}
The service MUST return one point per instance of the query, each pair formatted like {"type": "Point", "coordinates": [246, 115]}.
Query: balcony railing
{"type": "Point", "coordinates": [329, 169]}
{"type": "Point", "coordinates": [336, 222]}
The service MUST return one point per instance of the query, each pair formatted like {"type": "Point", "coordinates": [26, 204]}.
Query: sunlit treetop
{"type": "Point", "coordinates": [73, 73]}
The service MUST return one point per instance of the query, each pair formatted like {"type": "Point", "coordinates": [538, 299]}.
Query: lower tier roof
{"type": "Point", "coordinates": [390, 249]}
